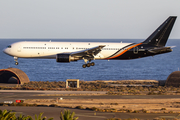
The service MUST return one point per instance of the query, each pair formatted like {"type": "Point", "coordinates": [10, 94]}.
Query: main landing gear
{"type": "Point", "coordinates": [16, 60]}
{"type": "Point", "coordinates": [88, 64]}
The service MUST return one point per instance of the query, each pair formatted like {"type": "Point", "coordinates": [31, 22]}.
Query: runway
{"type": "Point", "coordinates": [13, 95]}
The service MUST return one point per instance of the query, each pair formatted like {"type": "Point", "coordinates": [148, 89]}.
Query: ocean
{"type": "Point", "coordinates": [158, 67]}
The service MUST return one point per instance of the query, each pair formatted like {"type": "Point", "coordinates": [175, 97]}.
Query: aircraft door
{"type": "Point", "coordinates": [19, 49]}
{"type": "Point", "coordinates": [136, 50]}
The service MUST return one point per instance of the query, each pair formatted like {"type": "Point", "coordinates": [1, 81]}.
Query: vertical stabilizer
{"type": "Point", "coordinates": [160, 36]}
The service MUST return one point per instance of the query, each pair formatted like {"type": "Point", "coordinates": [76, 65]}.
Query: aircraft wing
{"type": "Point", "coordinates": [160, 50]}
{"type": "Point", "coordinates": [88, 52]}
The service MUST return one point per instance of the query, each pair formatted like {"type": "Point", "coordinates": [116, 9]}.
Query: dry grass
{"type": "Point", "coordinates": [115, 105]}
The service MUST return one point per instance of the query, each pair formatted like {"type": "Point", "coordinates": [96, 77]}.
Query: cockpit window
{"type": "Point", "coordinates": [9, 46]}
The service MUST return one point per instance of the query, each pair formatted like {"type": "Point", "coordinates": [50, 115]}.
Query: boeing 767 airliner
{"type": "Point", "coordinates": [88, 51]}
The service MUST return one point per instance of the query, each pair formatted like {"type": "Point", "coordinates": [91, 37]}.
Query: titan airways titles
{"type": "Point", "coordinates": [88, 51]}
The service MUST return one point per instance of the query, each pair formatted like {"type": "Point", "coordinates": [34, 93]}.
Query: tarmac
{"type": "Point", "coordinates": [13, 95]}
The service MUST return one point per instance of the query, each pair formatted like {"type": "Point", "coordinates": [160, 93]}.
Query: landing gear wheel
{"type": "Point", "coordinates": [92, 64]}
{"type": "Point", "coordinates": [88, 65]}
{"type": "Point", "coordinates": [84, 65]}
{"type": "Point", "coordinates": [16, 63]}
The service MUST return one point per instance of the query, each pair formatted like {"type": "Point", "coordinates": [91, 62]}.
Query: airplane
{"type": "Point", "coordinates": [88, 51]}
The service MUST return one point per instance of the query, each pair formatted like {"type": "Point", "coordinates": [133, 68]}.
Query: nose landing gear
{"type": "Point", "coordinates": [16, 60]}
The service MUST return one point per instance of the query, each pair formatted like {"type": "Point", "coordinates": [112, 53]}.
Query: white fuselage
{"type": "Point", "coordinates": [49, 50]}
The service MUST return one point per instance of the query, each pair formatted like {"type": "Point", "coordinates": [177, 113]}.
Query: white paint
{"type": "Point", "coordinates": [49, 50]}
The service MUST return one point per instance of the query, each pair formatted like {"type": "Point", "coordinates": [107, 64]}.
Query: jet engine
{"type": "Point", "coordinates": [65, 58]}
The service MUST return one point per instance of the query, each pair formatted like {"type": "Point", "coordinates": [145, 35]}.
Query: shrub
{"type": "Point", "coordinates": [135, 111]}
{"type": "Point", "coordinates": [39, 117]}
{"type": "Point", "coordinates": [171, 112]}
{"type": "Point", "coordinates": [1, 104]}
{"type": "Point", "coordinates": [163, 109]}
{"type": "Point", "coordinates": [68, 115]}
{"type": "Point", "coordinates": [113, 103]}
{"type": "Point", "coordinates": [87, 108]}
{"type": "Point", "coordinates": [13, 104]}
{"type": "Point", "coordinates": [101, 103]}
{"type": "Point", "coordinates": [7, 115]}
{"type": "Point", "coordinates": [42, 105]}
{"type": "Point", "coordinates": [144, 111]}
{"type": "Point", "coordinates": [22, 117]}
{"type": "Point", "coordinates": [129, 111]}
{"type": "Point", "coordinates": [113, 119]}
{"type": "Point", "coordinates": [53, 105]}
{"type": "Point", "coordinates": [21, 104]}
{"type": "Point", "coordinates": [33, 105]}
{"type": "Point", "coordinates": [94, 108]}
{"type": "Point", "coordinates": [79, 107]}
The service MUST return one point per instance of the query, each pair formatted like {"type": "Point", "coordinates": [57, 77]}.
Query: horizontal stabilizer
{"type": "Point", "coordinates": [160, 50]}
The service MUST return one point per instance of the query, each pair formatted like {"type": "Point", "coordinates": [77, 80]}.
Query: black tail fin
{"type": "Point", "coordinates": [160, 35]}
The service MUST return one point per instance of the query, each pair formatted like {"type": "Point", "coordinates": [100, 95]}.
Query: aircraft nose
{"type": "Point", "coordinates": [5, 50]}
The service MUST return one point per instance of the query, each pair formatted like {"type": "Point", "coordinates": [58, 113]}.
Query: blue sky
{"type": "Point", "coordinates": [86, 19]}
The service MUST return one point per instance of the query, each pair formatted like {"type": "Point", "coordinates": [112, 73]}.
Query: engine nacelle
{"type": "Point", "coordinates": [65, 58]}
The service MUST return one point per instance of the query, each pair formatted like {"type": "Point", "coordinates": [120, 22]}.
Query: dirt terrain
{"type": "Point", "coordinates": [115, 105]}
